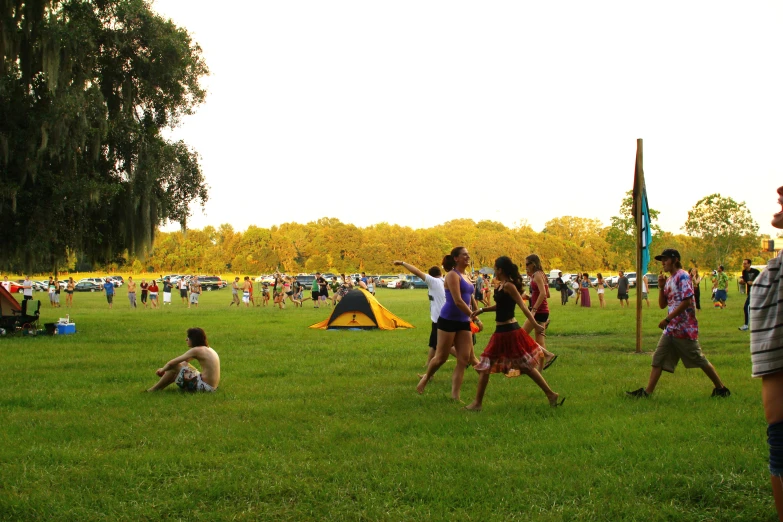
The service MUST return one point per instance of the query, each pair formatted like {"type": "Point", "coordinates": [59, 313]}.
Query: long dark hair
{"type": "Point", "coordinates": [448, 261]}
{"type": "Point", "coordinates": [198, 337]}
{"type": "Point", "coordinates": [510, 270]}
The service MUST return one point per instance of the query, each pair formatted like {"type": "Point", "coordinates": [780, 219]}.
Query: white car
{"type": "Point", "coordinates": [392, 283]}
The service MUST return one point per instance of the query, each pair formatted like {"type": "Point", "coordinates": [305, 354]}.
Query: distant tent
{"type": "Point", "coordinates": [360, 309]}
{"type": "Point", "coordinates": [8, 305]}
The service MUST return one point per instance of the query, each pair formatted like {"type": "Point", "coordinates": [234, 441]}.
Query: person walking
{"type": "Point", "coordinates": [131, 292]}
{"type": "Point", "coordinates": [436, 293]}
{"type": "Point", "coordinates": [696, 281]}
{"type": "Point", "coordinates": [510, 347]}
{"type": "Point", "coordinates": [108, 288]}
{"type": "Point", "coordinates": [453, 322]}
{"type": "Point", "coordinates": [195, 291]}
{"type": "Point", "coordinates": [721, 282]}
{"type": "Point", "coordinates": [247, 291]}
{"type": "Point", "coordinates": [153, 290]}
{"type": "Point", "coordinates": [167, 291]}
{"type": "Point", "coordinates": [144, 286]}
{"type": "Point", "coordinates": [622, 289]}
{"type": "Point", "coordinates": [50, 287]}
{"type": "Point", "coordinates": [577, 287]}
{"type": "Point", "coordinates": [585, 290]}
{"type": "Point", "coordinates": [600, 289]}
{"type": "Point", "coordinates": [562, 287]}
{"type": "Point", "coordinates": [749, 275]}
{"type": "Point", "coordinates": [69, 288]}
{"type": "Point", "coordinates": [645, 288]}
{"type": "Point", "coordinates": [539, 306]}
{"type": "Point", "coordinates": [680, 338]}
{"type": "Point", "coordinates": [234, 293]}
{"type": "Point", "coordinates": [766, 352]}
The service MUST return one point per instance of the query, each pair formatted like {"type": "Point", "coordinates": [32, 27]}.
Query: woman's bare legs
{"type": "Point", "coordinates": [463, 344]}
{"type": "Point", "coordinates": [601, 300]}
{"type": "Point", "coordinates": [480, 389]}
{"type": "Point", "coordinates": [541, 382]}
{"type": "Point", "coordinates": [445, 342]}
{"type": "Point", "coordinates": [540, 339]}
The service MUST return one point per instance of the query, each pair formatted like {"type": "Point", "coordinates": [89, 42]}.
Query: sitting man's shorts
{"type": "Point", "coordinates": [189, 380]}
{"type": "Point", "coordinates": [194, 298]}
{"type": "Point", "coordinates": [671, 349]}
{"type": "Point", "coordinates": [622, 296]}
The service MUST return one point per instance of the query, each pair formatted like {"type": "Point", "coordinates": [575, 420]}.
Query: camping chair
{"type": "Point", "coordinates": [31, 313]}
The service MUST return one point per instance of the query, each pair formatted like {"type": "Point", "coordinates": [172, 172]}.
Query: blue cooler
{"type": "Point", "coordinates": [66, 329]}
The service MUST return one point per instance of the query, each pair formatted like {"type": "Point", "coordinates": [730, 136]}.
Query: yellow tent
{"type": "Point", "coordinates": [360, 309]}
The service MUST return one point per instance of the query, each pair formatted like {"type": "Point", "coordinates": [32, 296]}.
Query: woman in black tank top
{"type": "Point", "coordinates": [510, 347]}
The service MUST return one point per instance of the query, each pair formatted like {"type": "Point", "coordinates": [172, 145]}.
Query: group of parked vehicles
{"type": "Point", "coordinates": [213, 282]}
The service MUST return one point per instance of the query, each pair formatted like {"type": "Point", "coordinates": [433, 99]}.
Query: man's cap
{"type": "Point", "coordinates": [669, 253]}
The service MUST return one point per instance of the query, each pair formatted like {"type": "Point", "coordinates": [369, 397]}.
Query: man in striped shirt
{"type": "Point", "coordinates": [766, 352]}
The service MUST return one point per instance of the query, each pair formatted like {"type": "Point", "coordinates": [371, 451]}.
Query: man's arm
{"type": "Point", "coordinates": [674, 313]}
{"type": "Point", "coordinates": [172, 364]}
{"type": "Point", "coordinates": [412, 269]}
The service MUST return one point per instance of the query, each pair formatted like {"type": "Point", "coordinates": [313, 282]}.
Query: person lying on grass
{"type": "Point", "coordinates": [186, 376]}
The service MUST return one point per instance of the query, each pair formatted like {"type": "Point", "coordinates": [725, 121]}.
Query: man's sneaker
{"type": "Point", "coordinates": [640, 393]}
{"type": "Point", "coordinates": [720, 392]}
{"type": "Point", "coordinates": [743, 328]}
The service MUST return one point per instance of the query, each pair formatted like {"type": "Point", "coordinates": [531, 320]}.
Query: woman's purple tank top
{"type": "Point", "coordinates": [450, 310]}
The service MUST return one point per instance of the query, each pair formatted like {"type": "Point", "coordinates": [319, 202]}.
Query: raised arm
{"type": "Point", "coordinates": [412, 269]}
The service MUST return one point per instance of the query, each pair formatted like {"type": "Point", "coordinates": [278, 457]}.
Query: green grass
{"type": "Point", "coordinates": [326, 425]}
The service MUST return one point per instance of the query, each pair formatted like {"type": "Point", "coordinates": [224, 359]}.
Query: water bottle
{"type": "Point", "coordinates": [68, 318]}
{"type": "Point", "coordinates": [56, 331]}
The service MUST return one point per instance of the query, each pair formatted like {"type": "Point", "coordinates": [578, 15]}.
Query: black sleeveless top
{"type": "Point", "coordinates": [504, 306]}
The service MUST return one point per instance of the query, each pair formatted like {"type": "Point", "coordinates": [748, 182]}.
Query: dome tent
{"type": "Point", "coordinates": [360, 309]}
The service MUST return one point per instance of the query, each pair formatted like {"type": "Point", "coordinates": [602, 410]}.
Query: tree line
{"type": "Point", "coordinates": [568, 243]}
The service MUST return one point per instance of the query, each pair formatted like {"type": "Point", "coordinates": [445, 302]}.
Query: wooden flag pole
{"type": "Point", "coordinates": [638, 217]}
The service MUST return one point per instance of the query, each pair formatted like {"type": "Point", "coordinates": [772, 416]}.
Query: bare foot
{"type": "Point", "coordinates": [473, 406]}
{"type": "Point", "coordinates": [422, 384]}
{"type": "Point", "coordinates": [422, 375]}
{"type": "Point", "coordinates": [457, 399]}
{"type": "Point", "coordinates": [553, 400]}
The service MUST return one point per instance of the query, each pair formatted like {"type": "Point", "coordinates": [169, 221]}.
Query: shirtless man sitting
{"type": "Point", "coordinates": [186, 376]}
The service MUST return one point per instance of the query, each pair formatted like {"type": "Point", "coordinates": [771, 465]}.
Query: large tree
{"type": "Point", "coordinates": [725, 228]}
{"type": "Point", "coordinates": [86, 89]}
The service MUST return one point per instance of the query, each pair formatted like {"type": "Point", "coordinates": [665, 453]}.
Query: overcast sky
{"type": "Point", "coordinates": [418, 112]}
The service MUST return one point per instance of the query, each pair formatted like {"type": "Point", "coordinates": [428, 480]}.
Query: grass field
{"type": "Point", "coordinates": [326, 425]}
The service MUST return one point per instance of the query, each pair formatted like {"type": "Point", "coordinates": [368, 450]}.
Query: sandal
{"type": "Point", "coordinates": [549, 362]}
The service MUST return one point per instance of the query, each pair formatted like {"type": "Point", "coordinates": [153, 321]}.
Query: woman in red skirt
{"type": "Point", "coordinates": [510, 347]}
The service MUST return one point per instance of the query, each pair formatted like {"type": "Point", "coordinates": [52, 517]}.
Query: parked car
{"type": "Point", "coordinates": [97, 280]}
{"type": "Point", "coordinates": [114, 280]}
{"type": "Point", "coordinates": [15, 288]}
{"type": "Point", "coordinates": [306, 281]}
{"type": "Point", "coordinates": [391, 282]}
{"type": "Point", "coordinates": [210, 283]}
{"type": "Point", "coordinates": [631, 279]}
{"type": "Point", "coordinates": [384, 279]}
{"type": "Point", "coordinates": [652, 280]}
{"type": "Point", "coordinates": [37, 285]}
{"type": "Point", "coordinates": [87, 286]}
{"type": "Point", "coordinates": [417, 282]}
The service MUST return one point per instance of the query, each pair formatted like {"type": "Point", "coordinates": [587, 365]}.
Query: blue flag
{"type": "Point", "coordinates": [645, 232]}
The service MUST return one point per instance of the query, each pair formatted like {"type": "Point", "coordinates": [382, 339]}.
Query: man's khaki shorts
{"type": "Point", "coordinates": [671, 349]}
